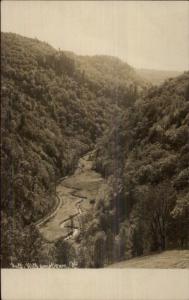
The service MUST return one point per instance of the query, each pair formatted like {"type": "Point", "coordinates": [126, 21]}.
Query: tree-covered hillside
{"type": "Point", "coordinates": [54, 107]}
{"type": "Point", "coordinates": [110, 74]}
{"type": "Point", "coordinates": [145, 158]}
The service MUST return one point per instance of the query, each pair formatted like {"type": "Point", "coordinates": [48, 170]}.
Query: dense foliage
{"type": "Point", "coordinates": [57, 106]}
{"type": "Point", "coordinates": [54, 106]}
{"type": "Point", "coordinates": [145, 158]}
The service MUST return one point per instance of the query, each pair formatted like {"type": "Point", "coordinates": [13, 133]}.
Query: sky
{"type": "Point", "coordinates": [149, 34]}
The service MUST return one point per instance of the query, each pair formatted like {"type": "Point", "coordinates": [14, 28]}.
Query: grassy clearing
{"type": "Point", "coordinates": [164, 260]}
{"type": "Point", "coordinates": [81, 187]}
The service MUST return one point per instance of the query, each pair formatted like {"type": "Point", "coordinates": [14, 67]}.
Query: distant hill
{"type": "Point", "coordinates": [109, 70]}
{"type": "Point", "coordinates": [109, 75]}
{"type": "Point", "coordinates": [157, 77]}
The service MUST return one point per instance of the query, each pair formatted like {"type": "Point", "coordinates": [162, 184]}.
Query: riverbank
{"type": "Point", "coordinates": [77, 194]}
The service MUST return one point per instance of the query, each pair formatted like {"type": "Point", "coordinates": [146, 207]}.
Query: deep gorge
{"type": "Point", "coordinates": [56, 107]}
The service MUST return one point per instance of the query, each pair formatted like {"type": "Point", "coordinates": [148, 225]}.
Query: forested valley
{"type": "Point", "coordinates": [56, 107]}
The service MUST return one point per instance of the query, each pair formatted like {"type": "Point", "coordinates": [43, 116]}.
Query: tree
{"type": "Point", "coordinates": [123, 241]}
{"type": "Point", "coordinates": [64, 252]}
{"type": "Point", "coordinates": [99, 250]}
{"type": "Point", "coordinates": [178, 232]}
{"type": "Point", "coordinates": [110, 247]}
{"type": "Point", "coordinates": [156, 204]}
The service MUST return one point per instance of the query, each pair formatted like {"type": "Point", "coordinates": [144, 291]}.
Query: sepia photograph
{"type": "Point", "coordinates": [94, 135]}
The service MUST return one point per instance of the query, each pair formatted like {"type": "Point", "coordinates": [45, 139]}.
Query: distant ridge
{"type": "Point", "coordinates": [157, 77]}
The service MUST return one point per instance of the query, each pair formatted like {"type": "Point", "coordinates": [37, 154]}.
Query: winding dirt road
{"type": "Point", "coordinates": [75, 193]}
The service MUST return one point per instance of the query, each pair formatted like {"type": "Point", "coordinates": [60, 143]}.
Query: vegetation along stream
{"type": "Point", "coordinates": [76, 194]}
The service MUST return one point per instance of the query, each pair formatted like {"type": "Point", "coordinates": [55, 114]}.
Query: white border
{"type": "Point", "coordinates": [101, 284]}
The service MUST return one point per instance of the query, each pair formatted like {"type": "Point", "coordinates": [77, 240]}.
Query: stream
{"type": "Point", "coordinates": [76, 194]}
